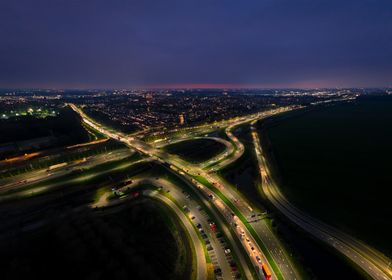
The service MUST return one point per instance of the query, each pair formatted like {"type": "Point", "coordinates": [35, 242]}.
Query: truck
{"type": "Point", "coordinates": [56, 166]}
{"type": "Point", "coordinates": [266, 271]}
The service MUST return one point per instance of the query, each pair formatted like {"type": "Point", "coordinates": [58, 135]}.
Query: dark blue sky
{"type": "Point", "coordinates": [260, 43]}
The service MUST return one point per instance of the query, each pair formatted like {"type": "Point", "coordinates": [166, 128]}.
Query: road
{"type": "Point", "coordinates": [20, 181]}
{"type": "Point", "coordinates": [201, 265]}
{"type": "Point", "coordinates": [217, 254]}
{"type": "Point", "coordinates": [368, 259]}
{"type": "Point", "coordinates": [44, 187]}
{"type": "Point", "coordinates": [186, 170]}
{"type": "Point", "coordinates": [186, 137]}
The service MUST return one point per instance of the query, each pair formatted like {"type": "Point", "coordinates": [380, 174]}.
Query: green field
{"type": "Point", "coordinates": [197, 150]}
{"type": "Point", "coordinates": [334, 163]}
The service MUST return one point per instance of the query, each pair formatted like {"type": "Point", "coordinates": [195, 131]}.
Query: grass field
{"type": "Point", "coordinates": [197, 150]}
{"type": "Point", "coordinates": [335, 164]}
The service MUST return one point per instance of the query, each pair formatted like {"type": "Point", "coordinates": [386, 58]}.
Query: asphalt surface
{"type": "Point", "coordinates": [23, 180]}
{"type": "Point", "coordinates": [249, 244]}
{"type": "Point", "coordinates": [371, 261]}
{"type": "Point", "coordinates": [45, 187]}
{"type": "Point", "coordinates": [375, 264]}
{"type": "Point", "coordinates": [195, 214]}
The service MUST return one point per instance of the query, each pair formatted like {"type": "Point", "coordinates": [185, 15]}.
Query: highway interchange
{"type": "Point", "coordinates": [224, 199]}
{"type": "Point", "coordinates": [247, 241]}
{"type": "Point", "coordinates": [368, 259]}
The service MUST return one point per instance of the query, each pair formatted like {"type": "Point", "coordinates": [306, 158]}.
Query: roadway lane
{"type": "Point", "coordinates": [23, 180]}
{"type": "Point", "coordinates": [78, 179]}
{"type": "Point", "coordinates": [197, 245]}
{"type": "Point", "coordinates": [193, 209]}
{"type": "Point", "coordinates": [193, 233]}
{"type": "Point", "coordinates": [184, 166]}
{"type": "Point", "coordinates": [375, 264]}
{"type": "Point", "coordinates": [186, 137]}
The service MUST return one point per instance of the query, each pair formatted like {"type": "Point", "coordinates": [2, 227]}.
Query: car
{"type": "Point", "coordinates": [258, 259]}
{"type": "Point", "coordinates": [218, 271]}
{"type": "Point", "coordinates": [227, 251]}
{"type": "Point", "coordinates": [192, 217]}
{"type": "Point", "coordinates": [213, 226]}
{"type": "Point", "coordinates": [198, 225]}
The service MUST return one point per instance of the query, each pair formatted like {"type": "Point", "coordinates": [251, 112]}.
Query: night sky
{"type": "Point", "coordinates": [212, 43]}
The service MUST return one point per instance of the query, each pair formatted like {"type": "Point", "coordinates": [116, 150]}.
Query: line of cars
{"type": "Point", "coordinates": [216, 244]}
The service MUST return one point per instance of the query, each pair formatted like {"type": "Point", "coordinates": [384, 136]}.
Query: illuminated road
{"type": "Point", "coordinates": [81, 178]}
{"type": "Point", "coordinates": [193, 209]}
{"type": "Point", "coordinates": [186, 137]}
{"type": "Point", "coordinates": [26, 179]}
{"type": "Point", "coordinates": [264, 233]}
{"type": "Point", "coordinates": [193, 233]}
{"type": "Point", "coordinates": [368, 259]}
{"type": "Point", "coordinates": [183, 168]}
{"type": "Point", "coordinates": [201, 265]}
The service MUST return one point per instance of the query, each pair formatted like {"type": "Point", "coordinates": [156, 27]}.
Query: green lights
{"type": "Point", "coordinates": [35, 112]}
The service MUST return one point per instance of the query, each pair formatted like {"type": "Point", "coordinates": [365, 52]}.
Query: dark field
{"type": "Point", "coordinates": [136, 242]}
{"type": "Point", "coordinates": [310, 255]}
{"type": "Point", "coordinates": [335, 164]}
{"type": "Point", "coordinates": [64, 129]}
{"type": "Point", "coordinates": [197, 150]}
{"type": "Point", "coordinates": [243, 172]}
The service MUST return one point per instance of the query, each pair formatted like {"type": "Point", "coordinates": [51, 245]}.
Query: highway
{"type": "Point", "coordinates": [178, 197]}
{"type": "Point", "coordinates": [201, 265]}
{"type": "Point", "coordinates": [264, 233]}
{"type": "Point", "coordinates": [375, 264]}
{"type": "Point", "coordinates": [186, 137]}
{"type": "Point", "coordinates": [187, 171]}
{"type": "Point", "coordinates": [23, 180]}
{"type": "Point", "coordinates": [192, 209]}
{"type": "Point", "coordinates": [25, 191]}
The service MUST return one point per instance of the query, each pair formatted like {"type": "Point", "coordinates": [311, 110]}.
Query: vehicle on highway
{"type": "Point", "coordinates": [266, 271]}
